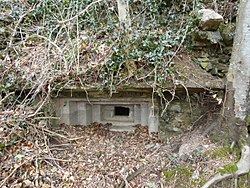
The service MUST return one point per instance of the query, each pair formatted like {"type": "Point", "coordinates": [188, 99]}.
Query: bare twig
{"type": "Point", "coordinates": [39, 108]}
{"type": "Point", "coordinates": [80, 13]}
{"type": "Point", "coordinates": [16, 26]}
{"type": "Point", "coordinates": [54, 44]}
{"type": "Point", "coordinates": [7, 96]}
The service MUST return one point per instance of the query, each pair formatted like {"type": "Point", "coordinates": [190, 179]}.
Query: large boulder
{"type": "Point", "coordinates": [209, 20]}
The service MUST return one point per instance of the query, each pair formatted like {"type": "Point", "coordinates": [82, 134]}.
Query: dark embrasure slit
{"type": "Point", "coordinates": [121, 111]}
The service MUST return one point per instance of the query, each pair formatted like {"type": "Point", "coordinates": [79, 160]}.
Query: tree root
{"type": "Point", "coordinates": [243, 168]}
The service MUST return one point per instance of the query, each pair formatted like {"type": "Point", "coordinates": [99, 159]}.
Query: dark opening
{"type": "Point", "coordinates": [121, 111]}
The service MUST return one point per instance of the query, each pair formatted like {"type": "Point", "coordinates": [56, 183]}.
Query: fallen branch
{"type": "Point", "coordinates": [52, 133]}
{"type": "Point", "coordinates": [243, 168]}
{"type": "Point", "coordinates": [131, 177]}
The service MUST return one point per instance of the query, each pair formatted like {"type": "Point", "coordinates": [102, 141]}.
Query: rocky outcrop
{"type": "Point", "coordinates": [184, 113]}
{"type": "Point", "coordinates": [213, 66]}
{"type": "Point", "coordinates": [205, 38]}
{"type": "Point", "coordinates": [208, 33]}
{"type": "Point", "coordinates": [213, 40]}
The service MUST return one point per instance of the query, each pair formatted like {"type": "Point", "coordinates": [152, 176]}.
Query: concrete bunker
{"type": "Point", "coordinates": [129, 107]}
{"type": "Point", "coordinates": [123, 110]}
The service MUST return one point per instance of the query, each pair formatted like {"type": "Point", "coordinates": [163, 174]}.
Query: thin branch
{"type": "Point", "coordinates": [53, 43]}
{"type": "Point", "coordinates": [7, 96]}
{"type": "Point", "coordinates": [80, 13]}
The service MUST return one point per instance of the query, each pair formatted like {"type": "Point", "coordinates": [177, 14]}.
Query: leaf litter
{"type": "Point", "coordinates": [104, 158]}
{"type": "Point", "coordinates": [94, 156]}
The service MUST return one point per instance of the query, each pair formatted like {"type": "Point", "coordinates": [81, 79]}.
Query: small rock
{"type": "Point", "coordinates": [209, 20]}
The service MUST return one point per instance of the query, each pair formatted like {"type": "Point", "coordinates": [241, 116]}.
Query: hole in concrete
{"type": "Point", "coordinates": [121, 111]}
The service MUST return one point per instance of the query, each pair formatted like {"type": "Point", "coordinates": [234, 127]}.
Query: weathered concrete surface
{"type": "Point", "coordinates": [84, 111]}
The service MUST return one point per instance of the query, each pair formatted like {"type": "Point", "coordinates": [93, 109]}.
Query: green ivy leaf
{"type": "Point", "coordinates": [2, 146]}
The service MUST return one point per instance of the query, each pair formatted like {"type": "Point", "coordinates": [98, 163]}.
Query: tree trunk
{"type": "Point", "coordinates": [239, 68]}
{"type": "Point", "coordinates": [123, 12]}
{"type": "Point", "coordinates": [237, 92]}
